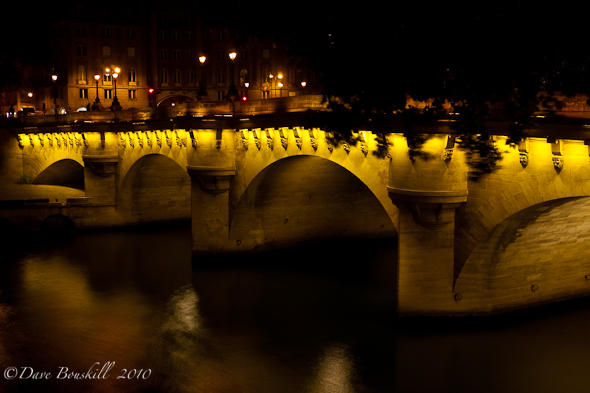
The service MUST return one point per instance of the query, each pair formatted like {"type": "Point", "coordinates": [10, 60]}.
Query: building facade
{"type": "Point", "coordinates": [165, 55]}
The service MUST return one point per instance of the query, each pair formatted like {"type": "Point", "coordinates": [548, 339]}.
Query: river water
{"type": "Point", "coordinates": [128, 311]}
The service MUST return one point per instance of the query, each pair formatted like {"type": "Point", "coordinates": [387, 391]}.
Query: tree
{"type": "Point", "coordinates": [482, 60]}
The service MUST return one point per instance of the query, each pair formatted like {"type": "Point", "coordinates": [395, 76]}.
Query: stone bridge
{"type": "Point", "coordinates": [510, 239]}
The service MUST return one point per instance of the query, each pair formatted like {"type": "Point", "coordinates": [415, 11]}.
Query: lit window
{"type": "Point", "coordinates": [83, 93]}
{"type": "Point", "coordinates": [132, 94]}
{"type": "Point", "coordinates": [132, 76]}
{"type": "Point", "coordinates": [106, 51]}
{"type": "Point", "coordinates": [131, 51]}
{"type": "Point", "coordinates": [82, 74]}
{"type": "Point", "coordinates": [108, 94]}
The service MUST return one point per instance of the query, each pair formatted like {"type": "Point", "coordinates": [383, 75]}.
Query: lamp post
{"type": "Point", "coordinates": [280, 84]}
{"type": "Point", "coordinates": [96, 105]}
{"type": "Point", "coordinates": [54, 78]}
{"type": "Point", "coordinates": [202, 87]}
{"type": "Point", "coordinates": [116, 106]}
{"type": "Point", "coordinates": [233, 90]}
{"type": "Point", "coordinates": [303, 84]}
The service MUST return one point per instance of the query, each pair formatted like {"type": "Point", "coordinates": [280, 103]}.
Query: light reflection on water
{"type": "Point", "coordinates": [310, 319]}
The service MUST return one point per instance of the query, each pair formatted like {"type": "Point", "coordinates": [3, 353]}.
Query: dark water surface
{"type": "Point", "coordinates": [319, 318]}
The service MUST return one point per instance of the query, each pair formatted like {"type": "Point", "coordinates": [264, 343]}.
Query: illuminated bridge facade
{"type": "Point", "coordinates": [256, 180]}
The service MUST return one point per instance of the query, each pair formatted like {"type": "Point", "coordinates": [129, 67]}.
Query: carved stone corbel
{"type": "Point", "coordinates": [313, 140]}
{"type": "Point", "coordinates": [297, 138]}
{"type": "Point", "coordinates": [523, 151]}
{"type": "Point", "coordinates": [269, 140]}
{"type": "Point", "coordinates": [556, 151]}
{"type": "Point", "coordinates": [284, 138]}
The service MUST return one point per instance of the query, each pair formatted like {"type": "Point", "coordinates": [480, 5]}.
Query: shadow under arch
{"type": "Point", "coordinates": [66, 172]}
{"type": "Point", "coordinates": [155, 189]}
{"type": "Point", "coordinates": [539, 253]}
{"type": "Point", "coordinates": [173, 100]}
{"type": "Point", "coordinates": [307, 198]}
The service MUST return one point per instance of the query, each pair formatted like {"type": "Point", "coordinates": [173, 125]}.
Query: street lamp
{"type": "Point", "coordinates": [280, 84]}
{"type": "Point", "coordinates": [233, 90]}
{"type": "Point", "coordinates": [54, 78]}
{"type": "Point", "coordinates": [202, 87]}
{"type": "Point", "coordinates": [116, 106]}
{"type": "Point", "coordinates": [96, 105]}
{"type": "Point", "coordinates": [303, 84]}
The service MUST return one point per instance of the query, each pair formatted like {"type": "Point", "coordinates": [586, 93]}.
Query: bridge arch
{"type": "Point", "coordinates": [65, 172]}
{"type": "Point", "coordinates": [537, 255]}
{"type": "Point", "coordinates": [514, 187]}
{"type": "Point", "coordinates": [155, 188]}
{"type": "Point", "coordinates": [306, 197]}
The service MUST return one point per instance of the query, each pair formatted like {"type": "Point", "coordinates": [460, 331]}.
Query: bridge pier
{"type": "Point", "coordinates": [427, 193]}
{"type": "Point", "coordinates": [99, 178]}
{"type": "Point", "coordinates": [210, 208]}
{"type": "Point", "coordinates": [211, 168]}
{"type": "Point", "coordinates": [426, 250]}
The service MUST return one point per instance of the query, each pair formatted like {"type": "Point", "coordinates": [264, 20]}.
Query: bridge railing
{"type": "Point", "coordinates": [190, 108]}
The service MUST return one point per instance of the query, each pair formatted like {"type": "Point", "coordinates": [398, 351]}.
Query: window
{"type": "Point", "coordinates": [81, 50]}
{"type": "Point", "coordinates": [265, 76]}
{"type": "Point", "coordinates": [243, 76]}
{"type": "Point", "coordinates": [177, 77]}
{"type": "Point", "coordinates": [106, 51]}
{"type": "Point", "coordinates": [220, 95]}
{"type": "Point", "coordinates": [106, 32]}
{"type": "Point", "coordinates": [189, 36]}
{"type": "Point", "coordinates": [107, 79]}
{"type": "Point", "coordinates": [108, 94]}
{"type": "Point", "coordinates": [84, 93]}
{"type": "Point", "coordinates": [244, 55]}
{"type": "Point", "coordinates": [80, 31]}
{"type": "Point", "coordinates": [131, 33]}
{"type": "Point", "coordinates": [190, 77]}
{"type": "Point", "coordinates": [266, 54]}
{"type": "Point", "coordinates": [164, 77]}
{"type": "Point", "coordinates": [81, 75]}
{"type": "Point", "coordinates": [176, 54]}
{"type": "Point", "coordinates": [131, 51]}
{"type": "Point", "coordinates": [220, 54]}
{"type": "Point", "coordinates": [221, 36]}
{"type": "Point", "coordinates": [132, 77]}
{"type": "Point", "coordinates": [132, 94]}
{"type": "Point", "coordinates": [176, 35]}
{"type": "Point", "coordinates": [220, 76]}
{"type": "Point", "coordinates": [189, 54]}
{"type": "Point", "coordinates": [162, 35]}
{"type": "Point", "coordinates": [163, 54]}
